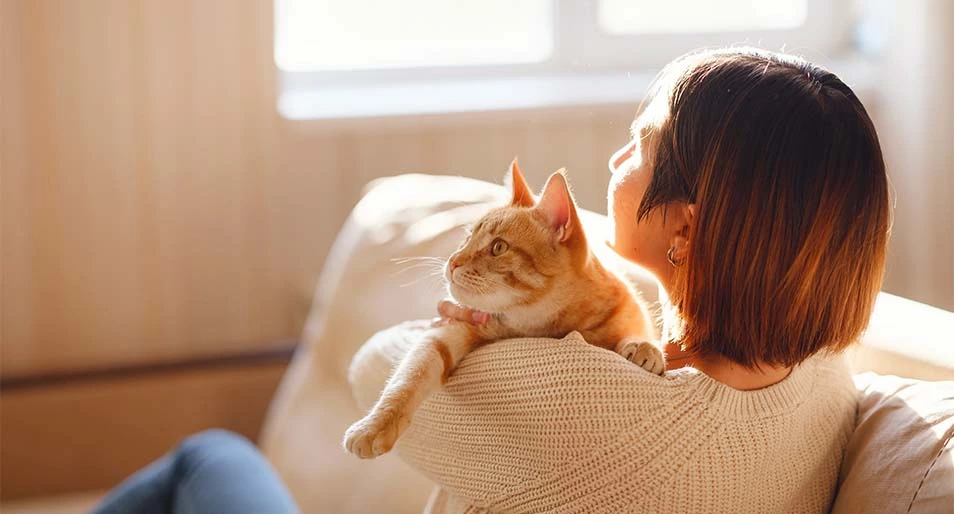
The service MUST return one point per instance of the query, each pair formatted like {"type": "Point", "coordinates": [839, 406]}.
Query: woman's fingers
{"type": "Point", "coordinates": [450, 310]}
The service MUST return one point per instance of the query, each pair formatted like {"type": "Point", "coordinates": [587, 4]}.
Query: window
{"type": "Point", "coordinates": [415, 56]}
{"type": "Point", "coordinates": [651, 33]}
{"type": "Point", "coordinates": [381, 34]}
{"type": "Point", "coordinates": [687, 16]}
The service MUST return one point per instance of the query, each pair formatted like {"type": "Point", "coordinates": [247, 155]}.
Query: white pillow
{"type": "Point", "coordinates": [900, 457]}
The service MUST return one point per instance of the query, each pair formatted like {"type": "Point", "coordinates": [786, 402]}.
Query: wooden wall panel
{"type": "Point", "coordinates": [137, 139]}
{"type": "Point", "coordinates": [90, 435]}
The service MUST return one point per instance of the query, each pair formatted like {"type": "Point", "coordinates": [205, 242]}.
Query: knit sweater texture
{"type": "Point", "coordinates": [557, 425]}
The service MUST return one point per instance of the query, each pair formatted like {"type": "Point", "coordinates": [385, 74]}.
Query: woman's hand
{"type": "Point", "coordinates": [451, 311]}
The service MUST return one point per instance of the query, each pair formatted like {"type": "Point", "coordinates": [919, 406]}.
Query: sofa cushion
{"type": "Point", "coordinates": [901, 455]}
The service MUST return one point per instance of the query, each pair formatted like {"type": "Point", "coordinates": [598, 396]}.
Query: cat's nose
{"type": "Point", "coordinates": [454, 264]}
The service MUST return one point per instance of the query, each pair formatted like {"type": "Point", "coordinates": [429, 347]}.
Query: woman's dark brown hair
{"type": "Point", "coordinates": [787, 249]}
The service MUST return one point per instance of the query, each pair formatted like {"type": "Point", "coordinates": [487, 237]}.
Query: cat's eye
{"type": "Point", "coordinates": [498, 247]}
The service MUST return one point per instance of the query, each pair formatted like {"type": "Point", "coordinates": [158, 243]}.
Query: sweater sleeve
{"type": "Point", "coordinates": [518, 415]}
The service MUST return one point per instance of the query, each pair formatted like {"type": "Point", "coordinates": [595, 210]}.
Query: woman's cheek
{"type": "Point", "coordinates": [632, 239]}
{"type": "Point", "coordinates": [623, 219]}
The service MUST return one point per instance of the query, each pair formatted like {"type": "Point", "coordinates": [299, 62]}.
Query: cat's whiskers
{"type": "Point", "coordinates": [430, 268]}
{"type": "Point", "coordinates": [432, 265]}
{"type": "Point", "coordinates": [473, 282]}
{"type": "Point", "coordinates": [482, 284]}
{"type": "Point", "coordinates": [502, 284]}
{"type": "Point", "coordinates": [491, 282]}
{"type": "Point", "coordinates": [403, 260]}
{"type": "Point", "coordinates": [433, 279]}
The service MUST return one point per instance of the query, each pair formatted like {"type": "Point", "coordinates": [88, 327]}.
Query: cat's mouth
{"type": "Point", "coordinates": [470, 296]}
{"type": "Point", "coordinates": [485, 293]}
{"type": "Point", "coordinates": [461, 292]}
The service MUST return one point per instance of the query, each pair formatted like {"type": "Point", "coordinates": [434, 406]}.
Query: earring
{"type": "Point", "coordinates": [670, 256]}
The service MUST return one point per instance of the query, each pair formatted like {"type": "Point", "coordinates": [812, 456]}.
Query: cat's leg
{"type": "Point", "coordinates": [422, 371]}
{"type": "Point", "coordinates": [642, 353]}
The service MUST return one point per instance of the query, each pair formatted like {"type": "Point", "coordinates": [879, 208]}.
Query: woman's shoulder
{"type": "Point", "coordinates": [828, 378]}
{"type": "Point", "coordinates": [566, 359]}
{"type": "Point", "coordinates": [834, 379]}
{"type": "Point", "coordinates": [565, 374]}
{"type": "Point", "coordinates": [551, 366]}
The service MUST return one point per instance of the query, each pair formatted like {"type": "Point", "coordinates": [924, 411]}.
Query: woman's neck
{"type": "Point", "coordinates": [726, 371]}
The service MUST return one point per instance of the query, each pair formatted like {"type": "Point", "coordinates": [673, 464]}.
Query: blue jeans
{"type": "Point", "coordinates": [214, 472]}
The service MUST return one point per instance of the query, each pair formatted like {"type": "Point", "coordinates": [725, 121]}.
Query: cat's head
{"type": "Point", "coordinates": [518, 253]}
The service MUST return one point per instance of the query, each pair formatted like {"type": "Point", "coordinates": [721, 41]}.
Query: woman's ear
{"type": "Point", "coordinates": [521, 196]}
{"type": "Point", "coordinates": [679, 240]}
{"type": "Point", "coordinates": [556, 204]}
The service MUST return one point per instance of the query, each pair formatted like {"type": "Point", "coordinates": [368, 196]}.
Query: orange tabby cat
{"type": "Point", "coordinates": [529, 266]}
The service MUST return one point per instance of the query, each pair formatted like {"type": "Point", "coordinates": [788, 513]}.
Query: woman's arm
{"type": "Point", "coordinates": [515, 413]}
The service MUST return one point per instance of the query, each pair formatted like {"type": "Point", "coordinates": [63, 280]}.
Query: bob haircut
{"type": "Point", "coordinates": [787, 249]}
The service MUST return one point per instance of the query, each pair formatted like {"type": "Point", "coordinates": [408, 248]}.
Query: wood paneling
{"type": "Point", "coordinates": [137, 141]}
{"type": "Point", "coordinates": [89, 435]}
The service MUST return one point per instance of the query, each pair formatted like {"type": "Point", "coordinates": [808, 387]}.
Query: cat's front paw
{"type": "Point", "coordinates": [375, 434]}
{"type": "Point", "coordinates": [643, 354]}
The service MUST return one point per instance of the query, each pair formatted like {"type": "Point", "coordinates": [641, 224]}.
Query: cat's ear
{"type": "Point", "coordinates": [558, 208]}
{"type": "Point", "coordinates": [521, 196]}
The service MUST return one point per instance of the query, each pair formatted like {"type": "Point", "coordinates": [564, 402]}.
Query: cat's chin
{"type": "Point", "coordinates": [470, 300]}
{"type": "Point", "coordinates": [462, 298]}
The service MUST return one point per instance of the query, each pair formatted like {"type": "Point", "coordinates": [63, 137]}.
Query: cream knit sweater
{"type": "Point", "coordinates": [543, 425]}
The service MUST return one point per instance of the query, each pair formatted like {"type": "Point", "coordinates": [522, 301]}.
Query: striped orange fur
{"type": "Point", "coordinates": [529, 266]}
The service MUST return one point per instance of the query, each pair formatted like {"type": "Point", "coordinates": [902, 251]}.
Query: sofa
{"type": "Point", "coordinates": [900, 459]}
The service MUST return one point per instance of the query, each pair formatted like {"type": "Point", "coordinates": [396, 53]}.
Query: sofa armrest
{"type": "Point", "coordinates": [908, 339]}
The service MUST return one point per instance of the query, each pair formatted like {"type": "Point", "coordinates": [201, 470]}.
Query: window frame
{"type": "Point", "coordinates": [826, 31]}
{"type": "Point", "coordinates": [580, 47]}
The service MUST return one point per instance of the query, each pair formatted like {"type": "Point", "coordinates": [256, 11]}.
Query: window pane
{"type": "Point", "coordinates": [368, 34]}
{"type": "Point", "coordinates": [681, 16]}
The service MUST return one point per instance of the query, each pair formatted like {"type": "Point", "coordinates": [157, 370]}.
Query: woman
{"type": "Point", "coordinates": [754, 189]}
